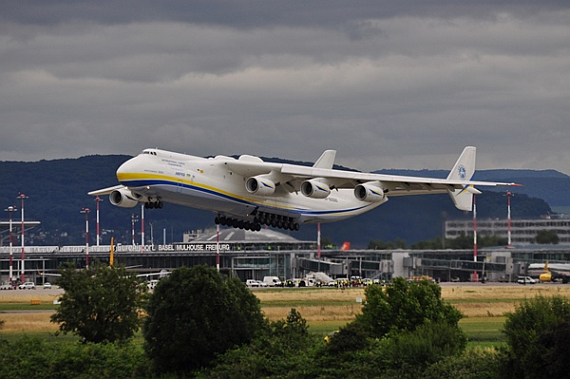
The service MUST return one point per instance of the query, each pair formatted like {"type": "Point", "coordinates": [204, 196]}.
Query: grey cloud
{"type": "Point", "coordinates": [386, 85]}
{"type": "Point", "coordinates": [259, 13]}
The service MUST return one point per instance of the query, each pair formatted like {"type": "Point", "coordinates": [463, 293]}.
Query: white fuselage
{"type": "Point", "coordinates": [206, 183]}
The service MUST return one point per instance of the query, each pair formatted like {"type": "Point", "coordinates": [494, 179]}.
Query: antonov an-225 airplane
{"type": "Point", "coordinates": [247, 192]}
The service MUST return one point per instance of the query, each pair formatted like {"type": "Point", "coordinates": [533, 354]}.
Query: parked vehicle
{"type": "Point", "coordinates": [27, 286]}
{"type": "Point", "coordinates": [525, 280]}
{"type": "Point", "coordinates": [6, 286]}
{"type": "Point", "coordinates": [272, 281]}
{"type": "Point", "coordinates": [252, 283]}
{"type": "Point", "coordinates": [47, 286]}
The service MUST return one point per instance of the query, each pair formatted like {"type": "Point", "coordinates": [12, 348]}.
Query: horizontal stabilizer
{"type": "Point", "coordinates": [462, 198]}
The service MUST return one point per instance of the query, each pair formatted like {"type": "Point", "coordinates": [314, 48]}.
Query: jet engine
{"type": "Point", "coordinates": [260, 185]}
{"type": "Point", "coordinates": [123, 198]}
{"type": "Point", "coordinates": [370, 193]}
{"type": "Point", "coordinates": [315, 189]}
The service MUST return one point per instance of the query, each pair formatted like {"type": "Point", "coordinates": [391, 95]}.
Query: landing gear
{"type": "Point", "coordinates": [153, 204]}
{"type": "Point", "coordinates": [262, 218]}
{"type": "Point", "coordinates": [237, 223]}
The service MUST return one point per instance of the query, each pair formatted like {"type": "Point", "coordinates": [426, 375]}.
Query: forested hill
{"type": "Point", "coordinates": [57, 191]}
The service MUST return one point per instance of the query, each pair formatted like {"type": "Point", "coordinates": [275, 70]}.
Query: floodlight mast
{"type": "Point", "coordinates": [509, 242]}
{"type": "Point", "coordinates": [86, 211]}
{"type": "Point", "coordinates": [475, 236]}
{"type": "Point", "coordinates": [98, 200]}
{"type": "Point", "coordinates": [22, 197]}
{"type": "Point", "coordinates": [11, 209]}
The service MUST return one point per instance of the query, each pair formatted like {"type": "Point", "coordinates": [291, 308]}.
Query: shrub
{"type": "Point", "coordinates": [537, 335]}
{"type": "Point", "coordinates": [195, 314]}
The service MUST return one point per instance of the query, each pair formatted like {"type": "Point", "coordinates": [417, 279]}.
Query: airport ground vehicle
{"type": "Point", "coordinates": [47, 285]}
{"type": "Point", "coordinates": [252, 283]}
{"type": "Point", "coordinates": [27, 286]}
{"type": "Point", "coordinates": [6, 286]}
{"type": "Point", "coordinates": [525, 280]}
{"type": "Point", "coordinates": [272, 281]}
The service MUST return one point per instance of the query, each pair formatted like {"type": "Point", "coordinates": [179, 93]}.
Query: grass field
{"type": "Point", "coordinates": [325, 309]}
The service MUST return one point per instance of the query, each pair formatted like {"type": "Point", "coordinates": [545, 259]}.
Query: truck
{"type": "Point", "coordinates": [272, 281]}
{"type": "Point", "coordinates": [6, 286]}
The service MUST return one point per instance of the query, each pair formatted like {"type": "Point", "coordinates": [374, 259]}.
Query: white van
{"type": "Point", "coordinates": [272, 281]}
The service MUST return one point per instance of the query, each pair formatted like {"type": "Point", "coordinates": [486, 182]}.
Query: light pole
{"type": "Point", "coordinates": [133, 220]}
{"type": "Point", "coordinates": [475, 236]}
{"type": "Point", "coordinates": [509, 194]}
{"type": "Point", "coordinates": [142, 227]}
{"type": "Point", "coordinates": [11, 209]}
{"type": "Point", "coordinates": [22, 197]}
{"type": "Point", "coordinates": [98, 199]}
{"type": "Point", "coordinates": [151, 235]}
{"type": "Point", "coordinates": [86, 211]}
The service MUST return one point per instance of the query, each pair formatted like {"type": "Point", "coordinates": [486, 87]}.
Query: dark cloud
{"type": "Point", "coordinates": [387, 84]}
{"type": "Point", "coordinates": [259, 13]}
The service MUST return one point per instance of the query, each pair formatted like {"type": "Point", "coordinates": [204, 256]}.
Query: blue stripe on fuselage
{"type": "Point", "coordinates": [300, 211]}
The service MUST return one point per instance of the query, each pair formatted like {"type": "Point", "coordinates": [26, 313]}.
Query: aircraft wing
{"type": "Point", "coordinates": [458, 184]}
{"type": "Point", "coordinates": [105, 191]}
{"type": "Point", "coordinates": [397, 185]}
{"type": "Point", "coordinates": [404, 185]}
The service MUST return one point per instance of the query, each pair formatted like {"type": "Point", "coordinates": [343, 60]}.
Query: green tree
{"type": "Point", "coordinates": [195, 314]}
{"type": "Point", "coordinates": [547, 237]}
{"type": "Point", "coordinates": [409, 353]}
{"type": "Point", "coordinates": [476, 363]}
{"type": "Point", "coordinates": [537, 334]}
{"type": "Point", "coordinates": [100, 304]}
{"type": "Point", "coordinates": [404, 306]}
{"type": "Point", "coordinates": [404, 327]}
{"type": "Point", "coordinates": [380, 245]}
{"type": "Point", "coordinates": [279, 351]}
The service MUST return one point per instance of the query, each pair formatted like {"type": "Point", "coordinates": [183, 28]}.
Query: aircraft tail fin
{"type": "Point", "coordinates": [326, 160]}
{"type": "Point", "coordinates": [463, 170]}
{"type": "Point", "coordinates": [345, 246]}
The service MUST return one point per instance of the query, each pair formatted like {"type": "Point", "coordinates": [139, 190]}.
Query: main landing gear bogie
{"type": "Point", "coordinates": [276, 221]}
{"type": "Point", "coordinates": [153, 204]}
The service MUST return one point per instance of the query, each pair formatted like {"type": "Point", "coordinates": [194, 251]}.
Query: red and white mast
{"type": "Point", "coordinates": [509, 194]}
{"type": "Point", "coordinates": [97, 199]}
{"type": "Point", "coordinates": [23, 255]}
{"type": "Point", "coordinates": [475, 236]}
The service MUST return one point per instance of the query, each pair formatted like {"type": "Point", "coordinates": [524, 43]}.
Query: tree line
{"type": "Point", "coordinates": [199, 324]}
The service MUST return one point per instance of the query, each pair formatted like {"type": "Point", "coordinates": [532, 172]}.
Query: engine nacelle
{"type": "Point", "coordinates": [315, 189]}
{"type": "Point", "coordinates": [370, 193]}
{"type": "Point", "coordinates": [260, 185]}
{"type": "Point", "coordinates": [123, 198]}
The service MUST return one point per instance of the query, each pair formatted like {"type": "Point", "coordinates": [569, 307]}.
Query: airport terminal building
{"type": "Point", "coordinates": [523, 231]}
{"type": "Point", "coordinates": [253, 255]}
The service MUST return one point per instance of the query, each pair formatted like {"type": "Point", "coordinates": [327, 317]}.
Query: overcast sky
{"type": "Point", "coordinates": [400, 84]}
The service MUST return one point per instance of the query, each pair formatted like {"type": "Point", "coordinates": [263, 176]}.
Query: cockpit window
{"type": "Point", "coordinates": [150, 152]}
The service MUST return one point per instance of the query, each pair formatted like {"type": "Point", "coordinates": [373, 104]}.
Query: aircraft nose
{"type": "Point", "coordinates": [129, 167]}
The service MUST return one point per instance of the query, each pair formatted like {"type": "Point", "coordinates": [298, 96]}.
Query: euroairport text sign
{"type": "Point", "coordinates": [206, 247]}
